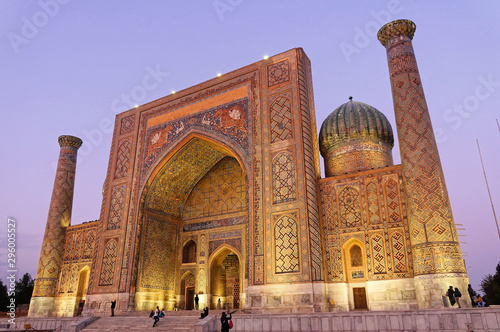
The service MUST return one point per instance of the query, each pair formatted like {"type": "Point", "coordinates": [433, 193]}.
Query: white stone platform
{"type": "Point", "coordinates": [451, 320]}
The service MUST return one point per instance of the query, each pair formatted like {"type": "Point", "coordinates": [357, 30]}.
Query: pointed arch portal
{"type": "Point", "coordinates": [197, 190]}
{"type": "Point", "coordinates": [225, 279]}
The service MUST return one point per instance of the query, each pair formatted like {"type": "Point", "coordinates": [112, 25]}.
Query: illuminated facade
{"type": "Point", "coordinates": [216, 190]}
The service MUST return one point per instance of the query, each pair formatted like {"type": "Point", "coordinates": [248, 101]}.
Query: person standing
{"type": "Point", "coordinates": [451, 295]}
{"type": "Point", "coordinates": [156, 316]}
{"type": "Point", "coordinates": [458, 295]}
{"type": "Point", "coordinates": [224, 321]}
{"type": "Point", "coordinates": [113, 305]}
{"type": "Point", "coordinates": [472, 295]}
{"type": "Point", "coordinates": [218, 304]}
{"type": "Point", "coordinates": [196, 302]}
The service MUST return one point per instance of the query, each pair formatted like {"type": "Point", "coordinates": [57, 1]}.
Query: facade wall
{"type": "Point", "coordinates": [369, 207]}
{"type": "Point", "coordinates": [261, 115]}
{"type": "Point", "coordinates": [367, 210]}
{"type": "Point", "coordinates": [72, 284]}
{"type": "Point", "coordinates": [230, 170]}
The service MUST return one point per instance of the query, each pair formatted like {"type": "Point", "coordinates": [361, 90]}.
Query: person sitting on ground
{"type": "Point", "coordinates": [162, 312]}
{"type": "Point", "coordinates": [204, 313]}
{"type": "Point", "coordinates": [151, 314]}
{"type": "Point", "coordinates": [480, 302]}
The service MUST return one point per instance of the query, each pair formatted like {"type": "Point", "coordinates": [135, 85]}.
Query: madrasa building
{"type": "Point", "coordinates": [216, 190]}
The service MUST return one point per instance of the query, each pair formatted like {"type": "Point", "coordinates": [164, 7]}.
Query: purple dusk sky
{"type": "Point", "coordinates": [67, 67]}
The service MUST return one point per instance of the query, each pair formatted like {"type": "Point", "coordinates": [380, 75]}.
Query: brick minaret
{"type": "Point", "coordinates": [435, 246]}
{"type": "Point", "coordinates": [59, 218]}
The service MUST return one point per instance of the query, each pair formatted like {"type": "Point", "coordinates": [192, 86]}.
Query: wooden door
{"type": "Point", "coordinates": [359, 294]}
{"type": "Point", "coordinates": [189, 298]}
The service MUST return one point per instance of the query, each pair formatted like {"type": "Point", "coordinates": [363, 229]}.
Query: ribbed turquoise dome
{"type": "Point", "coordinates": [355, 137]}
{"type": "Point", "coordinates": [351, 122]}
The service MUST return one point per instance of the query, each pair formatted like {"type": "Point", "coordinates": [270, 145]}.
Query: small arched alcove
{"type": "Point", "coordinates": [189, 252]}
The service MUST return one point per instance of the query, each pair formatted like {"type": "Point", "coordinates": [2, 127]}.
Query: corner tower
{"type": "Point", "coordinates": [59, 218]}
{"type": "Point", "coordinates": [435, 246]}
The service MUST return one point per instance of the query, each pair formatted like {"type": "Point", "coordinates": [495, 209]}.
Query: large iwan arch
{"type": "Point", "coordinates": [195, 198]}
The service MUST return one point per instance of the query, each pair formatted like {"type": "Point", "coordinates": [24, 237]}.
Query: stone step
{"type": "Point", "coordinates": [140, 323]}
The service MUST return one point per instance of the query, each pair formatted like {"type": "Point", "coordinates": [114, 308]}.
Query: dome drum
{"type": "Point", "coordinates": [357, 157]}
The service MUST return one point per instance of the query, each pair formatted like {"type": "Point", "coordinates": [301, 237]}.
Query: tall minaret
{"type": "Point", "coordinates": [437, 258]}
{"type": "Point", "coordinates": [59, 218]}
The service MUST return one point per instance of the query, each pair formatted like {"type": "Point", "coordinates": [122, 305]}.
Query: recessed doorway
{"type": "Point", "coordinates": [359, 295]}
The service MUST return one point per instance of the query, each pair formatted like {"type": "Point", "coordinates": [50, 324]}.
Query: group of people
{"type": "Point", "coordinates": [476, 299]}
{"type": "Point", "coordinates": [454, 296]}
{"type": "Point", "coordinates": [156, 315]}
{"type": "Point", "coordinates": [225, 320]}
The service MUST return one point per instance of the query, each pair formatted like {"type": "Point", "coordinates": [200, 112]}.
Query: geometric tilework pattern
{"type": "Point", "coordinates": [158, 255]}
{"type": "Point", "coordinates": [64, 281]}
{"type": "Point", "coordinates": [53, 247]}
{"type": "Point", "coordinates": [122, 162]}
{"type": "Point", "coordinates": [377, 237]}
{"type": "Point", "coordinates": [70, 243]}
{"type": "Point", "coordinates": [214, 245]}
{"type": "Point", "coordinates": [428, 202]}
{"type": "Point", "coordinates": [75, 259]}
{"type": "Point", "coordinates": [190, 281]}
{"type": "Point", "coordinates": [349, 213]}
{"type": "Point", "coordinates": [392, 201]}
{"type": "Point", "coordinates": [108, 263]}
{"type": "Point", "coordinates": [73, 279]}
{"type": "Point", "coordinates": [373, 204]}
{"type": "Point", "coordinates": [398, 253]}
{"type": "Point", "coordinates": [89, 245]}
{"type": "Point", "coordinates": [286, 240]}
{"type": "Point", "coordinates": [335, 269]}
{"type": "Point", "coordinates": [283, 178]}
{"type": "Point", "coordinates": [281, 120]}
{"type": "Point", "coordinates": [222, 190]}
{"type": "Point", "coordinates": [278, 73]}
{"type": "Point", "coordinates": [378, 255]}
{"type": "Point", "coordinates": [116, 207]}
{"type": "Point", "coordinates": [127, 124]}
{"type": "Point", "coordinates": [179, 174]}
{"type": "Point", "coordinates": [78, 246]}
{"type": "Point", "coordinates": [311, 169]}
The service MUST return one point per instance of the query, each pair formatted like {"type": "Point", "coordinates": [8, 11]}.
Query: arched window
{"type": "Point", "coordinates": [355, 262]}
{"type": "Point", "coordinates": [189, 252]}
{"type": "Point", "coordinates": [356, 257]}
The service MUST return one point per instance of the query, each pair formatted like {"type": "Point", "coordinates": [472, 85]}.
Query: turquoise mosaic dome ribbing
{"type": "Point", "coordinates": [353, 122]}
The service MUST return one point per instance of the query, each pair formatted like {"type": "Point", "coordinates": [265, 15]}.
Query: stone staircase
{"type": "Point", "coordinates": [173, 321]}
